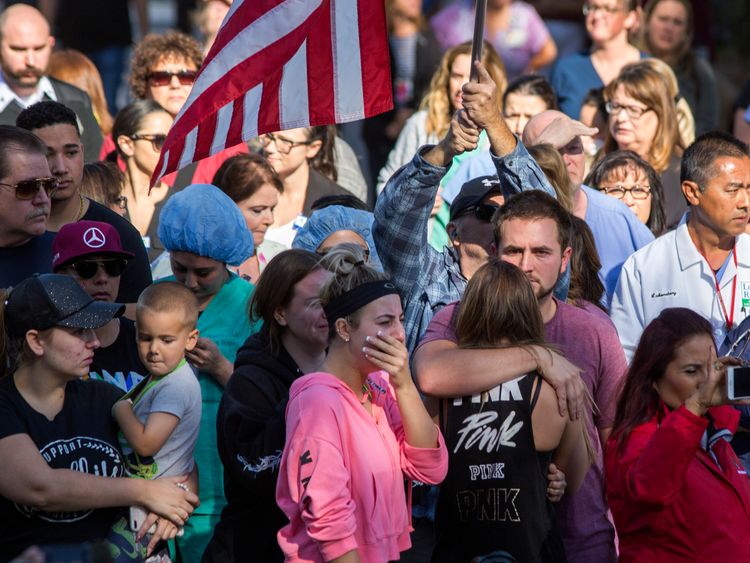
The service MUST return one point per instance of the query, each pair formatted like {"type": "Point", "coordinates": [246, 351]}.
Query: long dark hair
{"type": "Point", "coordinates": [325, 161]}
{"type": "Point", "coordinates": [14, 351]}
{"type": "Point", "coordinates": [585, 264]}
{"type": "Point", "coordinates": [499, 305]}
{"type": "Point", "coordinates": [638, 401]}
{"type": "Point", "coordinates": [276, 289]}
{"type": "Point", "coordinates": [129, 120]}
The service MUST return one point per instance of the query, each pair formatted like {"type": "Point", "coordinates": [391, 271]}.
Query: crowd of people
{"type": "Point", "coordinates": [501, 322]}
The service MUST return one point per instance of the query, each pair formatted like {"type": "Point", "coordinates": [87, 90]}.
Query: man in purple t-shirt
{"type": "Point", "coordinates": [532, 231]}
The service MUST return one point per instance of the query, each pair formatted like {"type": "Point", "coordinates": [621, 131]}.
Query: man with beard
{"type": "Point", "coordinates": [57, 127]}
{"type": "Point", "coordinates": [25, 48]}
{"type": "Point", "coordinates": [26, 186]}
{"type": "Point", "coordinates": [532, 231]}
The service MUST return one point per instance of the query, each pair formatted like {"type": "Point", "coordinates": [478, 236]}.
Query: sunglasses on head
{"type": "Point", "coordinates": [482, 211]}
{"type": "Point", "coordinates": [27, 189]}
{"type": "Point", "coordinates": [87, 269]}
{"type": "Point", "coordinates": [164, 77]}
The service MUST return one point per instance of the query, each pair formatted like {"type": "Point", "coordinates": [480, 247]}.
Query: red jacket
{"type": "Point", "coordinates": [670, 500]}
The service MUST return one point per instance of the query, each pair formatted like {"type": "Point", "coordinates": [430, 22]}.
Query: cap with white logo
{"type": "Point", "coordinates": [85, 238]}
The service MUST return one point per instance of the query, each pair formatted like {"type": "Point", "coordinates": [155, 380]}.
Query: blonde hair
{"type": "Point", "coordinates": [685, 119]}
{"type": "Point", "coordinates": [549, 160]}
{"type": "Point", "coordinates": [75, 68]}
{"type": "Point", "coordinates": [647, 85]}
{"type": "Point", "coordinates": [437, 101]}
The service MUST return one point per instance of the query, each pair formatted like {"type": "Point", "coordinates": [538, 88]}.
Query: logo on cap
{"type": "Point", "coordinates": [487, 182]}
{"type": "Point", "coordinates": [94, 238]}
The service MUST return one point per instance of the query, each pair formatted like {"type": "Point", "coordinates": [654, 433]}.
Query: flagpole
{"type": "Point", "coordinates": [477, 42]}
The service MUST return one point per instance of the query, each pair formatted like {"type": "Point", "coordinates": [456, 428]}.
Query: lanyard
{"type": "Point", "coordinates": [729, 318]}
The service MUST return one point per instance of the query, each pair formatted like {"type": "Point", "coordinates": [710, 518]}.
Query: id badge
{"type": "Point", "coordinates": [745, 295]}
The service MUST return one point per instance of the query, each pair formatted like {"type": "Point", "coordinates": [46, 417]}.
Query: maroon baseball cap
{"type": "Point", "coordinates": [86, 238]}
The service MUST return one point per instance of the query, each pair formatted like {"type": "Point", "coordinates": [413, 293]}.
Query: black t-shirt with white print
{"type": "Point", "coordinates": [82, 437]}
{"type": "Point", "coordinates": [119, 363]}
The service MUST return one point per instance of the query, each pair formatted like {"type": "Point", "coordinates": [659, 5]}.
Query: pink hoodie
{"type": "Point", "coordinates": [341, 480]}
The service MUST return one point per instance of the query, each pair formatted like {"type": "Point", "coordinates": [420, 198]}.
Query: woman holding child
{"type": "Point", "coordinates": [203, 230]}
{"type": "Point", "coordinates": [63, 474]}
{"type": "Point", "coordinates": [354, 433]}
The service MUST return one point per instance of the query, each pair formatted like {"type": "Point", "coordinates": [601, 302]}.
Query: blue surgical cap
{"type": "Point", "coordinates": [324, 222]}
{"type": "Point", "coordinates": [203, 220]}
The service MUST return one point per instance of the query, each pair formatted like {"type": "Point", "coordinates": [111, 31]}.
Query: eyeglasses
{"type": "Point", "coordinates": [164, 77]}
{"type": "Point", "coordinates": [284, 146]}
{"type": "Point", "coordinates": [634, 112]}
{"type": "Point", "coordinates": [157, 139]}
{"type": "Point", "coordinates": [589, 8]}
{"type": "Point", "coordinates": [483, 211]}
{"type": "Point", "coordinates": [87, 269]}
{"type": "Point", "coordinates": [27, 189]}
{"type": "Point", "coordinates": [638, 192]}
{"type": "Point", "coordinates": [121, 201]}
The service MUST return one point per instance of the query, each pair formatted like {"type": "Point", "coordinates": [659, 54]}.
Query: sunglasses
{"type": "Point", "coordinates": [157, 139]}
{"type": "Point", "coordinates": [27, 189]}
{"type": "Point", "coordinates": [164, 77]}
{"type": "Point", "coordinates": [87, 269]}
{"type": "Point", "coordinates": [482, 211]}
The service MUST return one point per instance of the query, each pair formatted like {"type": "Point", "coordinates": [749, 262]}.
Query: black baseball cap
{"type": "Point", "coordinates": [49, 300]}
{"type": "Point", "coordinates": [473, 193]}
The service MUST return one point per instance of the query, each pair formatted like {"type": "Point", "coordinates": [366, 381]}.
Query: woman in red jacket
{"type": "Point", "coordinates": [676, 489]}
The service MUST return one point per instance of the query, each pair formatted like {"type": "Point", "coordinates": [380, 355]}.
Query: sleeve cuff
{"type": "Point", "coordinates": [694, 420]}
{"type": "Point", "coordinates": [330, 550]}
{"type": "Point", "coordinates": [510, 159]}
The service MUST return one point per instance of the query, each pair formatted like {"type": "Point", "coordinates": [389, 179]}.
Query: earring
{"type": "Point", "coordinates": [344, 338]}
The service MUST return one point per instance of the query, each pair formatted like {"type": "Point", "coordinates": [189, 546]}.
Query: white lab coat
{"type": "Point", "coordinates": [670, 272]}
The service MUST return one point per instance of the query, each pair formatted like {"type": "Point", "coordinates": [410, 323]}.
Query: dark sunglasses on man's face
{"type": "Point", "coordinates": [27, 189]}
{"type": "Point", "coordinates": [87, 269]}
{"type": "Point", "coordinates": [483, 211]}
{"type": "Point", "coordinates": [164, 77]}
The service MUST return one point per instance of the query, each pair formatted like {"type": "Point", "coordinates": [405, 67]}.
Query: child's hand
{"type": "Point", "coordinates": [207, 357]}
{"type": "Point", "coordinates": [165, 530]}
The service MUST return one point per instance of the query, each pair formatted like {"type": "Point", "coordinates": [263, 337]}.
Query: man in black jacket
{"type": "Point", "coordinates": [25, 48]}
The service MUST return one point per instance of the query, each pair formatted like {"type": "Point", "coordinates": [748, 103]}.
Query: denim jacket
{"type": "Point", "coordinates": [429, 279]}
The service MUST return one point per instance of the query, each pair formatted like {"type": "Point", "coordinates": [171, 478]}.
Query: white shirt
{"type": "Point", "coordinates": [670, 272]}
{"type": "Point", "coordinates": [43, 88]}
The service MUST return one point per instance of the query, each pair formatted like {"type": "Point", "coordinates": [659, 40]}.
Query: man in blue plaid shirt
{"type": "Point", "coordinates": [427, 279]}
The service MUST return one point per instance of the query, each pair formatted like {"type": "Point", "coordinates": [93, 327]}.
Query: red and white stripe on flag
{"type": "Point", "coordinates": [281, 64]}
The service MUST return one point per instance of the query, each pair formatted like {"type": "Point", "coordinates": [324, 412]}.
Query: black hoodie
{"type": "Point", "coordinates": [251, 432]}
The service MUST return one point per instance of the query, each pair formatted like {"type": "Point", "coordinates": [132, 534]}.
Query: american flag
{"type": "Point", "coordinates": [281, 64]}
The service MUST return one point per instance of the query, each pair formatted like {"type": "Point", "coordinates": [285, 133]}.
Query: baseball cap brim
{"type": "Point", "coordinates": [94, 315]}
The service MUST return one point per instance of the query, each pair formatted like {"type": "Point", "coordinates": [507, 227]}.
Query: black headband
{"type": "Point", "coordinates": [354, 299]}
